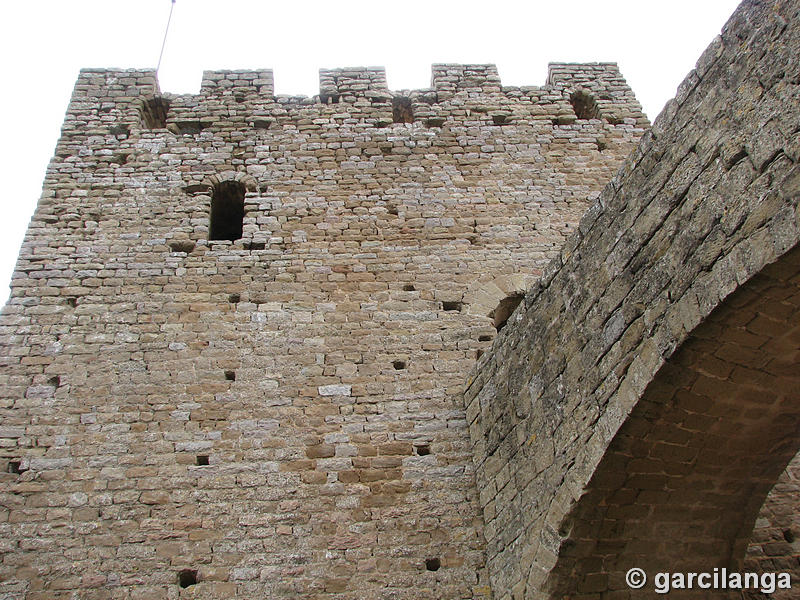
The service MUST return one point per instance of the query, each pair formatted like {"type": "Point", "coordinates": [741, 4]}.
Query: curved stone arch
{"type": "Point", "coordinates": [681, 483]}
{"type": "Point", "coordinates": [703, 206]}
{"type": "Point", "coordinates": [248, 181]}
{"type": "Point", "coordinates": [227, 197]}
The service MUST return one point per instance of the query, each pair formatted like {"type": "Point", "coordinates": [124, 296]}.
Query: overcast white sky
{"type": "Point", "coordinates": [43, 44]}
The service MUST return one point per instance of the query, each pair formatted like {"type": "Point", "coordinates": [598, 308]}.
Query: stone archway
{"type": "Point", "coordinates": [622, 334]}
{"type": "Point", "coordinates": [682, 482]}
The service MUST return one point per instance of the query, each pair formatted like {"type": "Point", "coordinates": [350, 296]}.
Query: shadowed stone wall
{"type": "Point", "coordinates": [279, 414]}
{"type": "Point", "coordinates": [610, 428]}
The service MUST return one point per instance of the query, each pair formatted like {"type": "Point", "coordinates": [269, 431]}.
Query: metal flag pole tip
{"type": "Point", "coordinates": [166, 31]}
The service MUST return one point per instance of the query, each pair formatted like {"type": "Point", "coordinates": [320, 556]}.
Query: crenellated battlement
{"type": "Point", "coordinates": [116, 101]}
{"type": "Point", "coordinates": [406, 344]}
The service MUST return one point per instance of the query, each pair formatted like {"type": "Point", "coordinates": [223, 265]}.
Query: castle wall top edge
{"type": "Point", "coordinates": [445, 77]}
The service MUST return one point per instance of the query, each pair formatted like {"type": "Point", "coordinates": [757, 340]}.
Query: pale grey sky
{"type": "Point", "coordinates": [45, 42]}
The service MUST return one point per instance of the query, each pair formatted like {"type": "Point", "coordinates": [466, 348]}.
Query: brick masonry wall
{"type": "Point", "coordinates": [280, 415]}
{"type": "Point", "coordinates": [707, 200]}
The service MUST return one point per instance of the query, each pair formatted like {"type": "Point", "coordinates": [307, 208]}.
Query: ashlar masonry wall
{"type": "Point", "coordinates": [278, 412]}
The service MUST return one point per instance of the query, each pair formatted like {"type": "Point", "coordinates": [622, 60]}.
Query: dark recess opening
{"type": "Point", "coordinates": [202, 460]}
{"type": "Point", "coordinates": [120, 130]}
{"type": "Point", "coordinates": [422, 449]}
{"type": "Point", "coordinates": [451, 306]}
{"type": "Point", "coordinates": [15, 467]}
{"type": "Point", "coordinates": [187, 577]}
{"type": "Point", "coordinates": [227, 211]}
{"type": "Point", "coordinates": [409, 288]}
{"type": "Point", "coordinates": [181, 246]}
{"type": "Point", "coordinates": [402, 111]}
{"type": "Point", "coordinates": [433, 564]}
{"type": "Point", "coordinates": [503, 311]}
{"type": "Point", "coordinates": [399, 365]}
{"type": "Point", "coordinates": [230, 375]}
{"type": "Point", "coordinates": [234, 298]}
{"type": "Point", "coordinates": [154, 112]}
{"type": "Point", "coordinates": [788, 535]}
{"type": "Point", "coordinates": [54, 381]}
{"type": "Point", "coordinates": [584, 105]}
{"type": "Point", "coordinates": [484, 338]}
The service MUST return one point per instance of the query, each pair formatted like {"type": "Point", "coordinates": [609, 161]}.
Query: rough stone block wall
{"type": "Point", "coordinates": [279, 414]}
{"type": "Point", "coordinates": [775, 546]}
{"type": "Point", "coordinates": [706, 201]}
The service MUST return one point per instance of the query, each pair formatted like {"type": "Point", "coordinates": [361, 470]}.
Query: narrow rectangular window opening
{"type": "Point", "coordinates": [401, 110]}
{"type": "Point", "coordinates": [584, 105]}
{"type": "Point", "coordinates": [154, 112]}
{"type": "Point", "coordinates": [227, 211]}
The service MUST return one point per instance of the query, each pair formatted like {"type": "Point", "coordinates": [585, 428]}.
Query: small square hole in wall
{"type": "Point", "coordinates": [484, 338]}
{"type": "Point", "coordinates": [422, 449]}
{"type": "Point", "coordinates": [409, 288]}
{"type": "Point", "coordinates": [433, 564]}
{"type": "Point", "coordinates": [202, 460]}
{"type": "Point", "coordinates": [451, 306]}
{"type": "Point", "coordinates": [54, 381]}
{"type": "Point", "coordinates": [187, 577]}
{"type": "Point", "coordinates": [15, 467]}
{"type": "Point", "coordinates": [399, 365]}
{"type": "Point", "coordinates": [230, 375]}
{"type": "Point", "coordinates": [234, 298]}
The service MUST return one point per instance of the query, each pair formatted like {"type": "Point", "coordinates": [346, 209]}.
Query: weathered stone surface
{"type": "Point", "coordinates": [279, 408]}
{"type": "Point", "coordinates": [643, 402]}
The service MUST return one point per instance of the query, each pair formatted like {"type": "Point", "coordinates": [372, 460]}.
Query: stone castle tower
{"type": "Point", "coordinates": [472, 341]}
{"type": "Point", "coordinates": [241, 324]}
